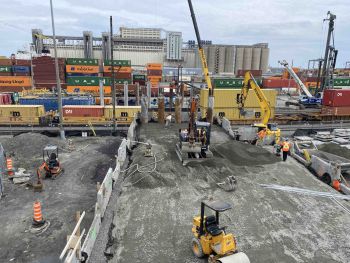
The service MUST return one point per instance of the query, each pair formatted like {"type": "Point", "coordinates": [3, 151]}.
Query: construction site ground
{"type": "Point", "coordinates": [85, 164]}
{"type": "Point", "coordinates": [159, 197]}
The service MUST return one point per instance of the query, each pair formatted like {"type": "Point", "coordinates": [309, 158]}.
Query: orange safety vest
{"type": "Point", "coordinates": [261, 134]}
{"type": "Point", "coordinates": [285, 147]}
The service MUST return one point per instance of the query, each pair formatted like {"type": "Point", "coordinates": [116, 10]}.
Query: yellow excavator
{"type": "Point", "coordinates": [211, 240]}
{"type": "Point", "coordinates": [273, 133]}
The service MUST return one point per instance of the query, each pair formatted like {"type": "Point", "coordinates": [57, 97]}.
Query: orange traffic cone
{"type": "Point", "coordinates": [9, 165]}
{"type": "Point", "coordinates": [38, 217]}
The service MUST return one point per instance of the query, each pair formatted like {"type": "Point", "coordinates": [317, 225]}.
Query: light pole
{"type": "Point", "coordinates": [58, 81]}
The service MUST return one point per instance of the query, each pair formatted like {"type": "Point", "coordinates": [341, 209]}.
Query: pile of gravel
{"type": "Point", "coordinates": [243, 154]}
{"type": "Point", "coordinates": [26, 145]}
{"type": "Point", "coordinates": [335, 149]}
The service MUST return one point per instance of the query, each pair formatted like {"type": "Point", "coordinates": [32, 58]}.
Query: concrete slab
{"type": "Point", "coordinates": [153, 214]}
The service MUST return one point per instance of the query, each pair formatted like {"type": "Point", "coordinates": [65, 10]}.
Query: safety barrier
{"type": "Point", "coordinates": [103, 195]}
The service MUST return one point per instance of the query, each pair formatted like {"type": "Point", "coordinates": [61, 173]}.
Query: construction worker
{"type": "Point", "coordinates": [167, 121]}
{"type": "Point", "coordinates": [285, 149]}
{"type": "Point", "coordinates": [261, 135]}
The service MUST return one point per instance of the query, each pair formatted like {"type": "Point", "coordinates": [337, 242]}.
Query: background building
{"type": "Point", "coordinates": [146, 45]}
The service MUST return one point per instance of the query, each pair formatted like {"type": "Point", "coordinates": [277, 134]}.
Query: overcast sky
{"type": "Point", "coordinates": [294, 29]}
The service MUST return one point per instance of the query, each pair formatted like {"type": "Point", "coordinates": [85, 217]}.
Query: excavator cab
{"type": "Point", "coordinates": [210, 239]}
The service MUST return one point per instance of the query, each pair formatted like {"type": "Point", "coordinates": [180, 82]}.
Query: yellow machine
{"type": "Point", "coordinates": [209, 115]}
{"type": "Point", "coordinates": [273, 133]}
{"type": "Point", "coordinates": [212, 240]}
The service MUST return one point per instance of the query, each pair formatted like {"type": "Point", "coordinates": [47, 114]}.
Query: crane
{"type": "Point", "coordinates": [204, 65]}
{"type": "Point", "coordinates": [307, 99]}
{"type": "Point", "coordinates": [273, 133]}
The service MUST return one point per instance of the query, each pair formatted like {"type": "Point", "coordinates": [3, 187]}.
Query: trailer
{"type": "Point", "coordinates": [329, 168]}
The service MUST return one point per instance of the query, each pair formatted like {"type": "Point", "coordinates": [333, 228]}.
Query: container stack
{"type": "Point", "coordinates": [122, 70]}
{"type": "Point", "coordinates": [139, 78]}
{"type": "Point", "coordinates": [77, 67]}
{"type": "Point", "coordinates": [154, 73]}
{"type": "Point", "coordinates": [51, 103]}
{"type": "Point", "coordinates": [226, 104]}
{"type": "Point", "coordinates": [15, 75]}
{"type": "Point", "coordinates": [278, 83]}
{"type": "Point", "coordinates": [336, 102]}
{"type": "Point", "coordinates": [232, 83]}
{"type": "Point", "coordinates": [88, 85]}
{"type": "Point", "coordinates": [44, 73]}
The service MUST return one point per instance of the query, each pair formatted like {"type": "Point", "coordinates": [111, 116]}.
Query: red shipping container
{"type": "Point", "coordinates": [335, 111]}
{"type": "Point", "coordinates": [255, 73]}
{"type": "Point", "coordinates": [14, 89]}
{"type": "Point", "coordinates": [279, 83]}
{"type": "Point", "coordinates": [118, 75]}
{"type": "Point", "coordinates": [83, 111]}
{"type": "Point", "coordinates": [6, 62]}
{"type": "Point", "coordinates": [336, 98]}
{"type": "Point", "coordinates": [23, 62]}
{"type": "Point", "coordinates": [153, 72]}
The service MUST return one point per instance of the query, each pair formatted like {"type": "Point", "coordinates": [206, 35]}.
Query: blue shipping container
{"type": "Point", "coordinates": [20, 69]}
{"type": "Point", "coordinates": [51, 103]}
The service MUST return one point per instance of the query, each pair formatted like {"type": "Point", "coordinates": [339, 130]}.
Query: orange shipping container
{"type": "Point", "coordinates": [16, 81]}
{"type": "Point", "coordinates": [117, 69]}
{"type": "Point", "coordinates": [82, 69]}
{"type": "Point", "coordinates": [92, 89]}
{"type": "Point", "coordinates": [157, 66]}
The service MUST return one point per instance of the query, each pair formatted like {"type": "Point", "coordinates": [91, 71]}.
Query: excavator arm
{"type": "Point", "coordinates": [250, 83]}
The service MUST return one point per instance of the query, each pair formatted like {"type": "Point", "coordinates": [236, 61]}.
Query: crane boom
{"type": "Point", "coordinates": [250, 83]}
{"type": "Point", "coordinates": [296, 78]}
{"type": "Point", "coordinates": [205, 69]}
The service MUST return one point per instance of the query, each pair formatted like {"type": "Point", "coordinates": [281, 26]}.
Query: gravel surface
{"type": "Point", "coordinates": [153, 214]}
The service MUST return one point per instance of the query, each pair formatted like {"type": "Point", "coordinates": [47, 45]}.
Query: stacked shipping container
{"type": "Point", "coordinates": [15, 75]}
{"type": "Point", "coordinates": [226, 104]}
{"type": "Point", "coordinates": [51, 103]}
{"type": "Point", "coordinates": [122, 70]}
{"type": "Point", "coordinates": [336, 102]}
{"type": "Point", "coordinates": [231, 83]}
{"type": "Point", "coordinates": [154, 73]}
{"type": "Point", "coordinates": [82, 67]}
{"type": "Point", "coordinates": [44, 73]}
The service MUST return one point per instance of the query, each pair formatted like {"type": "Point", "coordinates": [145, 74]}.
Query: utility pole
{"type": "Point", "coordinates": [58, 81]}
{"type": "Point", "coordinates": [112, 82]}
{"type": "Point", "coordinates": [324, 75]}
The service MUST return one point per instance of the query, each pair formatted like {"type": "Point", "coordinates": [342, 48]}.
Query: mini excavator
{"type": "Point", "coordinates": [211, 240]}
{"type": "Point", "coordinates": [50, 167]}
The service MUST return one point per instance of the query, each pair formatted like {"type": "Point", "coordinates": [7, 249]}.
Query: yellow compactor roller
{"type": "Point", "coordinates": [211, 240]}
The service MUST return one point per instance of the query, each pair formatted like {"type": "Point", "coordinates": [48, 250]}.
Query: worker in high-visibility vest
{"type": "Point", "coordinates": [285, 149]}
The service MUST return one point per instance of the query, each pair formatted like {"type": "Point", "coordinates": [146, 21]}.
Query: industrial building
{"type": "Point", "coordinates": [145, 45]}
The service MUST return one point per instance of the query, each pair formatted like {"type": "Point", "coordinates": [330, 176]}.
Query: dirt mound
{"type": "Point", "coordinates": [243, 154]}
{"type": "Point", "coordinates": [335, 149]}
{"type": "Point", "coordinates": [26, 145]}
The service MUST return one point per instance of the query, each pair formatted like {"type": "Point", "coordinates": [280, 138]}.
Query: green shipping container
{"type": "Point", "coordinates": [139, 77]}
{"type": "Point", "coordinates": [341, 82]}
{"type": "Point", "coordinates": [85, 81]}
{"type": "Point", "coordinates": [5, 69]}
{"type": "Point", "coordinates": [82, 61]}
{"type": "Point", "coordinates": [122, 63]}
{"type": "Point", "coordinates": [232, 83]}
{"type": "Point", "coordinates": [116, 81]}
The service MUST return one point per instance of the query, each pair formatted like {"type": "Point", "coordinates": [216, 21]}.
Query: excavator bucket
{"type": "Point", "coordinates": [239, 257]}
